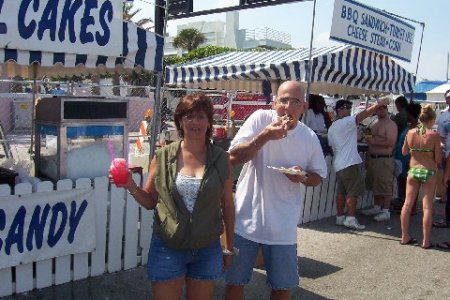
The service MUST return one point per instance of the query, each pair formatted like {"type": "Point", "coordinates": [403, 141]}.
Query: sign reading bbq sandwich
{"type": "Point", "coordinates": [73, 26]}
{"type": "Point", "coordinates": [370, 28]}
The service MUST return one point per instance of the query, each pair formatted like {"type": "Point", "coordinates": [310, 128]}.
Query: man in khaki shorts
{"type": "Point", "coordinates": [342, 137]}
{"type": "Point", "coordinates": [380, 164]}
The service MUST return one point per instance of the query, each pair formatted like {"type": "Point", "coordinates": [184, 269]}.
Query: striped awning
{"type": "Point", "coordinates": [339, 69]}
{"type": "Point", "coordinates": [141, 49]}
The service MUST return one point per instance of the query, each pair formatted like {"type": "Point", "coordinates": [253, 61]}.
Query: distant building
{"type": "Point", "coordinates": [228, 34]}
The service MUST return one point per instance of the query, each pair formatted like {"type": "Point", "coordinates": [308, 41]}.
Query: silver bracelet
{"type": "Point", "coordinates": [136, 189]}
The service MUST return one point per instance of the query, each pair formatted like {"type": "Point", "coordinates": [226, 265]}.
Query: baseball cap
{"type": "Point", "coordinates": [341, 103]}
{"type": "Point", "coordinates": [447, 94]}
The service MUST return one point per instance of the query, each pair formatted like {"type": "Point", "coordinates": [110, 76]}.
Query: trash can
{"type": "Point", "coordinates": [8, 177]}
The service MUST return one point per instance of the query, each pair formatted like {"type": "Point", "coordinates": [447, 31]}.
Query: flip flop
{"type": "Point", "coordinates": [430, 246]}
{"type": "Point", "coordinates": [443, 245]}
{"type": "Point", "coordinates": [412, 241]}
{"type": "Point", "coordinates": [441, 224]}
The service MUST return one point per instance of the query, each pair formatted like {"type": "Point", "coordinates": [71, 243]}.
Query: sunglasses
{"type": "Point", "coordinates": [345, 107]}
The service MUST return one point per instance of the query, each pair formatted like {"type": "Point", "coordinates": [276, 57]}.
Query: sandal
{"type": "Point", "coordinates": [441, 224]}
{"type": "Point", "coordinates": [443, 245]}
{"type": "Point", "coordinates": [411, 241]}
{"type": "Point", "coordinates": [430, 246]}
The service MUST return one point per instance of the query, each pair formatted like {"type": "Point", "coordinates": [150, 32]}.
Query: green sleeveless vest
{"type": "Point", "coordinates": [173, 223]}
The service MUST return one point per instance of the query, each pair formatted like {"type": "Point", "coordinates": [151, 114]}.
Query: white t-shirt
{"type": "Point", "coordinates": [268, 204]}
{"type": "Point", "coordinates": [343, 138]}
{"type": "Point", "coordinates": [315, 122]}
{"type": "Point", "coordinates": [443, 129]}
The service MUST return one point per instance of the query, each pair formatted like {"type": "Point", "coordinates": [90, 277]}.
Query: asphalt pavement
{"type": "Point", "coordinates": [334, 262]}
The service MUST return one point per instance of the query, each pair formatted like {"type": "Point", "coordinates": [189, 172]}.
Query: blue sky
{"type": "Point", "coordinates": [296, 19]}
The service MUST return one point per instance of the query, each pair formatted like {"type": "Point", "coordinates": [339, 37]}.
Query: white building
{"type": "Point", "coordinates": [228, 34]}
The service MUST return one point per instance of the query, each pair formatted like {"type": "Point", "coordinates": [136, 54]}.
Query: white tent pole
{"type": "Point", "coordinates": [310, 51]}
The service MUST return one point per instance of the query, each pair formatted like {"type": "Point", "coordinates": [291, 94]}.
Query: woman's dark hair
{"type": "Point", "coordinates": [314, 101]}
{"type": "Point", "coordinates": [413, 109]}
{"type": "Point", "coordinates": [193, 103]}
{"type": "Point", "coordinates": [401, 101]}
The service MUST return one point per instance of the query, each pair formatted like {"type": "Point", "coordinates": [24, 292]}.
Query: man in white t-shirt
{"type": "Point", "coordinates": [443, 129]}
{"type": "Point", "coordinates": [342, 137]}
{"type": "Point", "coordinates": [268, 202]}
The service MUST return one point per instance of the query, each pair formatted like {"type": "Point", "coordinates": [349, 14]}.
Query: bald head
{"type": "Point", "coordinates": [292, 87]}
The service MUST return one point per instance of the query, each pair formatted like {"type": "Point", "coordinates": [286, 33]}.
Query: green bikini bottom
{"type": "Point", "coordinates": [421, 174]}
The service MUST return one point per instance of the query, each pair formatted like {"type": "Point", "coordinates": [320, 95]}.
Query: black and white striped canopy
{"type": "Point", "coordinates": [339, 69]}
{"type": "Point", "coordinates": [141, 49]}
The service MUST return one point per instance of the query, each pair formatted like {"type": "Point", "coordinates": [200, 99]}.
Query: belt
{"type": "Point", "coordinates": [380, 155]}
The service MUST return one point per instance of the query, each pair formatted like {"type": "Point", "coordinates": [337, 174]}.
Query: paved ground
{"type": "Point", "coordinates": [335, 263]}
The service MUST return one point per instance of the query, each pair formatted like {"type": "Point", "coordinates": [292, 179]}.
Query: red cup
{"type": "Point", "coordinates": [219, 132]}
{"type": "Point", "coordinates": [119, 170]}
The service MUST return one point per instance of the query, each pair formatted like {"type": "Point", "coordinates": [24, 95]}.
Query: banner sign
{"type": "Point", "coordinates": [44, 225]}
{"type": "Point", "coordinates": [366, 27]}
{"type": "Point", "coordinates": [69, 26]}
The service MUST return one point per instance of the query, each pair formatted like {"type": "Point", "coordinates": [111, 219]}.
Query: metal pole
{"type": "Point", "coordinates": [448, 61]}
{"type": "Point", "coordinates": [308, 86]}
{"type": "Point", "coordinates": [418, 58]}
{"type": "Point", "coordinates": [156, 122]}
{"type": "Point", "coordinates": [33, 111]}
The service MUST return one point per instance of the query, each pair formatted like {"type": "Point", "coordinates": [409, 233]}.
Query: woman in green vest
{"type": "Point", "coordinates": [190, 188]}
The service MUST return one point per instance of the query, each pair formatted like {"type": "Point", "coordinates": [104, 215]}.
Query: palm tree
{"type": "Point", "coordinates": [147, 24]}
{"type": "Point", "coordinates": [189, 39]}
{"type": "Point", "coordinates": [128, 16]}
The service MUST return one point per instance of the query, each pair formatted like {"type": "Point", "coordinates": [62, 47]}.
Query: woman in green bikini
{"type": "Point", "coordinates": [424, 146]}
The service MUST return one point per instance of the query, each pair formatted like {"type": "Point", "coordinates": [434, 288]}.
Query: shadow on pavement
{"type": "Point", "coordinates": [313, 269]}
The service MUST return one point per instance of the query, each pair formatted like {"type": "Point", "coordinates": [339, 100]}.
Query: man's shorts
{"type": "Point", "coordinates": [168, 264]}
{"type": "Point", "coordinates": [380, 176]}
{"type": "Point", "coordinates": [350, 182]}
{"type": "Point", "coordinates": [280, 261]}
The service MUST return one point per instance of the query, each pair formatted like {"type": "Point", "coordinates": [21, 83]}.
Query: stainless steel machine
{"type": "Point", "coordinates": [77, 137]}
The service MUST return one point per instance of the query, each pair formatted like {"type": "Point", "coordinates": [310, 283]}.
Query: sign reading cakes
{"type": "Point", "coordinates": [74, 26]}
{"type": "Point", "coordinates": [369, 28]}
{"type": "Point", "coordinates": [43, 225]}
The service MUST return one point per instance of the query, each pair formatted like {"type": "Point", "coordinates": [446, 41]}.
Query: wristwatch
{"type": "Point", "coordinates": [234, 252]}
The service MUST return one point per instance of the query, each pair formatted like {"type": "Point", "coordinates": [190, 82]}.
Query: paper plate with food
{"type": "Point", "coordinates": [290, 171]}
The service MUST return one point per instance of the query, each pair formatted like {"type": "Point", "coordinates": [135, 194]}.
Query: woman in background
{"type": "Point", "coordinates": [316, 117]}
{"type": "Point", "coordinates": [423, 144]}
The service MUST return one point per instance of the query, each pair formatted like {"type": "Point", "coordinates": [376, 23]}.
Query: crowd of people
{"type": "Point", "coordinates": [190, 187]}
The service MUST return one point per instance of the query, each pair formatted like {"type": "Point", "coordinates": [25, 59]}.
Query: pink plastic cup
{"type": "Point", "coordinates": [119, 170]}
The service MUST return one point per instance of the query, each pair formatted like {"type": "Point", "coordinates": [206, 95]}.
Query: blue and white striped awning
{"type": "Point", "coordinates": [339, 69]}
{"type": "Point", "coordinates": [141, 50]}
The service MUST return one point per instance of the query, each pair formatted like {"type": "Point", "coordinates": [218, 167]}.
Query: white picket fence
{"type": "Point", "coordinates": [320, 200]}
{"type": "Point", "coordinates": [123, 238]}
{"type": "Point", "coordinates": [123, 233]}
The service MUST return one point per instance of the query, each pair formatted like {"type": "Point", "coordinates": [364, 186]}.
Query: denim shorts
{"type": "Point", "coordinates": [168, 264]}
{"type": "Point", "coordinates": [280, 262]}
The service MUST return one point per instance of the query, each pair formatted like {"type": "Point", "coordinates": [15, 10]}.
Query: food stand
{"type": "Point", "coordinates": [71, 131]}
{"type": "Point", "coordinates": [108, 45]}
